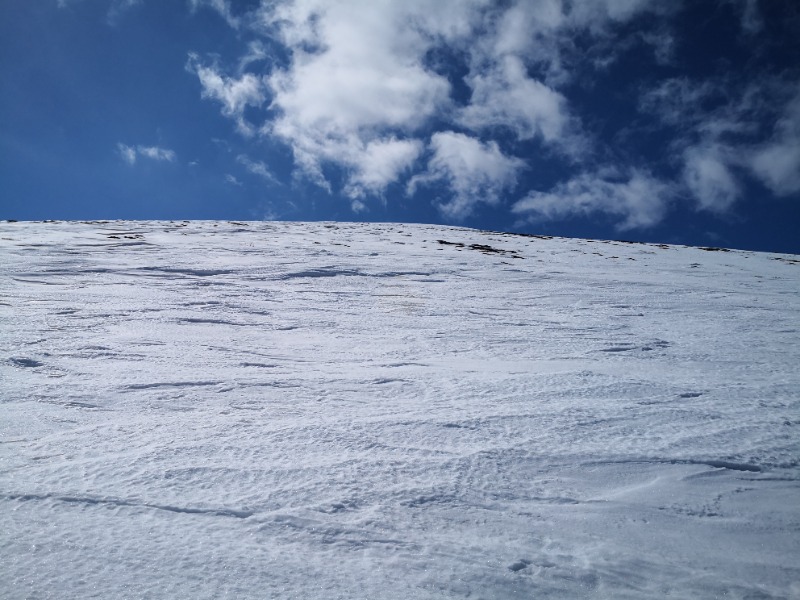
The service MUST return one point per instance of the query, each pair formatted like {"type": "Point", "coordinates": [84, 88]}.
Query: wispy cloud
{"type": "Point", "coordinates": [257, 167]}
{"type": "Point", "coordinates": [130, 153]}
{"type": "Point", "coordinates": [222, 7]}
{"type": "Point", "coordinates": [118, 8]}
{"type": "Point", "coordinates": [156, 153]}
{"type": "Point", "coordinates": [721, 136]}
{"type": "Point", "coordinates": [234, 93]}
{"type": "Point", "coordinates": [256, 52]}
{"type": "Point", "coordinates": [777, 161]}
{"type": "Point", "coordinates": [750, 16]}
{"type": "Point", "coordinates": [709, 177]}
{"type": "Point", "coordinates": [635, 200]}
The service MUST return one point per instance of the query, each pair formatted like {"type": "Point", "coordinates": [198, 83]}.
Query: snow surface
{"type": "Point", "coordinates": [319, 410]}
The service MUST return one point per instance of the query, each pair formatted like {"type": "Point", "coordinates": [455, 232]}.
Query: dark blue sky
{"type": "Point", "coordinates": [605, 118]}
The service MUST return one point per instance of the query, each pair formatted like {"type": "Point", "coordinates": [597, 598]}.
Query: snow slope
{"type": "Point", "coordinates": [319, 410]}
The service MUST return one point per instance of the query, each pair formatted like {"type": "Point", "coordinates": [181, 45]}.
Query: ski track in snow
{"type": "Point", "coordinates": [320, 410]}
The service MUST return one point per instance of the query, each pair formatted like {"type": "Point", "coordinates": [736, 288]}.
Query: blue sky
{"type": "Point", "coordinates": [675, 122]}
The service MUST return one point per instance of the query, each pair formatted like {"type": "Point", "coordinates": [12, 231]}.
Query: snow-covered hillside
{"type": "Point", "coordinates": [320, 410]}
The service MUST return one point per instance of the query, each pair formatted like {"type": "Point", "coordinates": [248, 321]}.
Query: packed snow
{"type": "Point", "coordinates": [327, 410]}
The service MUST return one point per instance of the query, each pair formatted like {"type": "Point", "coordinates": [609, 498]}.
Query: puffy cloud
{"type": "Point", "coordinates": [475, 172]}
{"type": "Point", "coordinates": [506, 96]}
{"type": "Point", "coordinates": [357, 87]}
{"type": "Point", "coordinates": [363, 84]}
{"type": "Point", "coordinates": [355, 67]}
{"type": "Point", "coordinates": [381, 163]}
{"type": "Point", "coordinates": [356, 80]}
{"type": "Point", "coordinates": [130, 153]}
{"type": "Point", "coordinates": [525, 25]}
{"type": "Point", "coordinates": [638, 200]}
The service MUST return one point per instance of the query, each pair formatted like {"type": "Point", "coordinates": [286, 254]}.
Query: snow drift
{"type": "Point", "coordinates": [320, 410]}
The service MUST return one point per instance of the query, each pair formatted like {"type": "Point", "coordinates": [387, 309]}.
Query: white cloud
{"type": "Point", "coordinates": [222, 7]}
{"type": "Point", "coordinates": [777, 162]}
{"type": "Point", "coordinates": [750, 17]}
{"type": "Point", "coordinates": [525, 25]}
{"type": "Point", "coordinates": [118, 8]}
{"type": "Point", "coordinates": [638, 200]}
{"type": "Point", "coordinates": [234, 93]}
{"type": "Point", "coordinates": [256, 52]}
{"type": "Point", "coordinates": [156, 153]}
{"type": "Point", "coordinates": [232, 180]}
{"type": "Point", "coordinates": [130, 153]}
{"type": "Point", "coordinates": [256, 167]}
{"type": "Point", "coordinates": [475, 172]}
{"type": "Point", "coordinates": [362, 84]}
{"type": "Point", "coordinates": [709, 178]}
{"type": "Point", "coordinates": [355, 81]}
{"type": "Point", "coordinates": [506, 96]}
{"type": "Point", "coordinates": [663, 45]}
{"type": "Point", "coordinates": [355, 67]}
{"type": "Point", "coordinates": [357, 88]}
{"type": "Point", "coordinates": [721, 132]}
{"type": "Point", "coordinates": [541, 32]}
{"type": "Point", "coordinates": [679, 101]}
{"type": "Point", "coordinates": [597, 13]}
{"type": "Point", "coordinates": [357, 206]}
{"type": "Point", "coordinates": [778, 166]}
{"type": "Point", "coordinates": [381, 163]}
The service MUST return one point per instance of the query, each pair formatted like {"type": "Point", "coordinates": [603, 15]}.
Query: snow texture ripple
{"type": "Point", "coordinates": [320, 410]}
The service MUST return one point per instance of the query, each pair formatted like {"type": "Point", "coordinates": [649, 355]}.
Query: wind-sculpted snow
{"type": "Point", "coordinates": [290, 410]}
